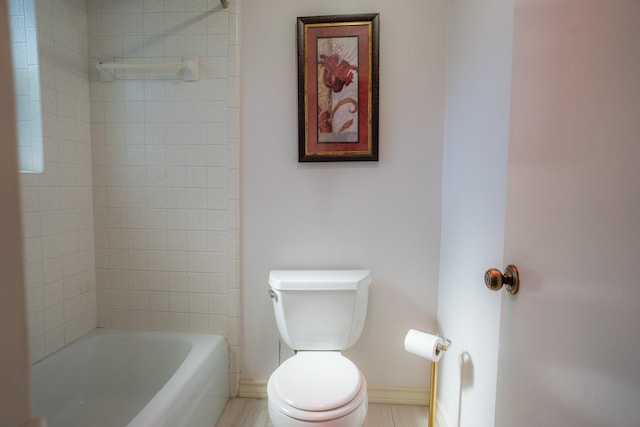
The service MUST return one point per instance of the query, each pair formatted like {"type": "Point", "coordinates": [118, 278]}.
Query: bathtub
{"type": "Point", "coordinates": [114, 378]}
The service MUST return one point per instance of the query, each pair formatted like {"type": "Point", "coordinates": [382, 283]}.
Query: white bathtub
{"type": "Point", "coordinates": [114, 378]}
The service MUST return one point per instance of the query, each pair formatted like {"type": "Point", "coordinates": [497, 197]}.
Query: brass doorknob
{"type": "Point", "coordinates": [494, 279]}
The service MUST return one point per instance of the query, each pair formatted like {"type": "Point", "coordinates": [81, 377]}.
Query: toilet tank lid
{"type": "Point", "coordinates": [319, 279]}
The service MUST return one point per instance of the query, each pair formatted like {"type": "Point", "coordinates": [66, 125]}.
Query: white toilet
{"type": "Point", "coordinates": [319, 313]}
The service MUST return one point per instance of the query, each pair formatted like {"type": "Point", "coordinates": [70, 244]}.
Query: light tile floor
{"type": "Point", "coordinates": [245, 412]}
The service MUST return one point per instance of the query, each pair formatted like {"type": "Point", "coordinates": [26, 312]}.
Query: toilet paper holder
{"type": "Point", "coordinates": [422, 344]}
{"type": "Point", "coordinates": [443, 347]}
{"type": "Point", "coordinates": [434, 381]}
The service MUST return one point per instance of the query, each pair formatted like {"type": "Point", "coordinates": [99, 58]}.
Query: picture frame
{"type": "Point", "coordinates": [338, 66]}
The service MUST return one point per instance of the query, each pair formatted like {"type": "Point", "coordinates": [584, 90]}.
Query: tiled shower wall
{"type": "Point", "coordinates": [165, 168]}
{"type": "Point", "coordinates": [57, 204]}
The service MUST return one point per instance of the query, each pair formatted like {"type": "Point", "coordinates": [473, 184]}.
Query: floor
{"type": "Point", "coordinates": [245, 412]}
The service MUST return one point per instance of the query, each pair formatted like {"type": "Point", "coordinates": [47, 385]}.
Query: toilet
{"type": "Point", "coordinates": [319, 313]}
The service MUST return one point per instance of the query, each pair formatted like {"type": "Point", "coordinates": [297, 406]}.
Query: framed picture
{"type": "Point", "coordinates": [338, 88]}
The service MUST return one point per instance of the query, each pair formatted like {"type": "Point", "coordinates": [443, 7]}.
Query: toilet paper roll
{"type": "Point", "coordinates": [424, 345]}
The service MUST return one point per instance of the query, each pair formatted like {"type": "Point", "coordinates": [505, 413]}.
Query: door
{"type": "Point", "coordinates": [570, 339]}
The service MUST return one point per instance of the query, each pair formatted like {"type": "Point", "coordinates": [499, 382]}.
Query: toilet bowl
{"type": "Point", "coordinates": [319, 313]}
{"type": "Point", "coordinates": [317, 388]}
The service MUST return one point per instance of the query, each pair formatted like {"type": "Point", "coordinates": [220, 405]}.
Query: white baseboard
{"type": "Point", "coordinates": [253, 389]}
{"type": "Point", "coordinates": [377, 394]}
{"type": "Point", "coordinates": [398, 395]}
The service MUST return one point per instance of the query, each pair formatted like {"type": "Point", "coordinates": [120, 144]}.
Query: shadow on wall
{"type": "Point", "coordinates": [466, 378]}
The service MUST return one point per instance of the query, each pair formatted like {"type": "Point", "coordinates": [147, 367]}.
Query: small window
{"type": "Point", "coordinates": [26, 77]}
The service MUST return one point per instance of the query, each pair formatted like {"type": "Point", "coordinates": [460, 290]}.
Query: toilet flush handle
{"type": "Point", "coordinates": [273, 295]}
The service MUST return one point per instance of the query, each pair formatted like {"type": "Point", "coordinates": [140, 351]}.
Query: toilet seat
{"type": "Point", "coordinates": [317, 386]}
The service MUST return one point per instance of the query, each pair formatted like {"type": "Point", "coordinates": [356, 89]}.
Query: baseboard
{"type": "Point", "coordinates": [254, 389]}
{"type": "Point", "coordinates": [377, 394]}
{"type": "Point", "coordinates": [398, 395]}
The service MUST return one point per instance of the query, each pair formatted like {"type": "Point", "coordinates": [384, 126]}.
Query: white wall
{"type": "Point", "coordinates": [14, 374]}
{"type": "Point", "coordinates": [473, 211]}
{"type": "Point", "coordinates": [57, 204]}
{"type": "Point", "coordinates": [383, 216]}
{"type": "Point", "coordinates": [165, 169]}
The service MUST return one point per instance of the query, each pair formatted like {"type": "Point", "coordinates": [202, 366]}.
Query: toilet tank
{"type": "Point", "coordinates": [320, 309]}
